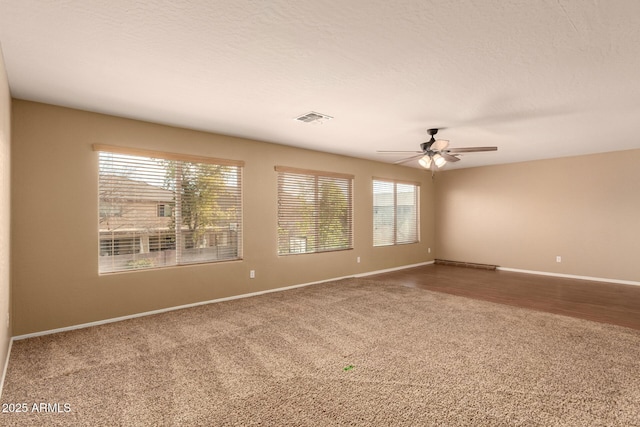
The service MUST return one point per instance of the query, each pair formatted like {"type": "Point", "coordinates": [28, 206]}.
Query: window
{"type": "Point", "coordinates": [109, 210]}
{"type": "Point", "coordinates": [315, 211]}
{"type": "Point", "coordinates": [395, 212]}
{"type": "Point", "coordinates": [163, 209]}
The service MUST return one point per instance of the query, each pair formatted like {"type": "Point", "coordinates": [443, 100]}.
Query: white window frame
{"type": "Point", "coordinates": [297, 235]}
{"type": "Point", "coordinates": [139, 181]}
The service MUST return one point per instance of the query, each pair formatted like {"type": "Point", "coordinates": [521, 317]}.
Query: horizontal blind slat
{"type": "Point", "coordinates": [293, 172]}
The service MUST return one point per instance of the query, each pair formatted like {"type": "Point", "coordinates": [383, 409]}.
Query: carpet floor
{"type": "Point", "coordinates": [349, 352]}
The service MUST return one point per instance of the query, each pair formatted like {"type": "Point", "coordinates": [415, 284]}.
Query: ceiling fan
{"type": "Point", "coordinates": [435, 153]}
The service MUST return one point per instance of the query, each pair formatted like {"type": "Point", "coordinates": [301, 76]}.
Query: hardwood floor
{"type": "Point", "coordinates": [598, 301]}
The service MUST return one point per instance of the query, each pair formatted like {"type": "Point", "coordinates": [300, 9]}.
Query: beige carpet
{"type": "Point", "coordinates": [351, 352]}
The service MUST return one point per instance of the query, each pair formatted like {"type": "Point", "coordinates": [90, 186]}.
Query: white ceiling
{"type": "Point", "coordinates": [539, 79]}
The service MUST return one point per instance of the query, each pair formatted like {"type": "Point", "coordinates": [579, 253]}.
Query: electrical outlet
{"type": "Point", "coordinates": [429, 250]}
{"type": "Point", "coordinates": [358, 260]}
{"type": "Point", "coordinates": [252, 274]}
{"type": "Point", "coordinates": [558, 258]}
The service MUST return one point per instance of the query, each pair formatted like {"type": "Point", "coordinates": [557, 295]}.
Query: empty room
{"type": "Point", "coordinates": [319, 213]}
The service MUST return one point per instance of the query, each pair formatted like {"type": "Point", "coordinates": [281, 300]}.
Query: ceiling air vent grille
{"type": "Point", "coordinates": [313, 117]}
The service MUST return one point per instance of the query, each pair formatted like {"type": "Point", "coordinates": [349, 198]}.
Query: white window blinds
{"type": "Point", "coordinates": [315, 211]}
{"type": "Point", "coordinates": [395, 212]}
{"type": "Point", "coordinates": [163, 209]}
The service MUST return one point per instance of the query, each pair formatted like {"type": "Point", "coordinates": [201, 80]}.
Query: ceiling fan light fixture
{"type": "Point", "coordinates": [425, 161]}
{"type": "Point", "coordinates": [439, 160]}
{"type": "Point", "coordinates": [436, 153]}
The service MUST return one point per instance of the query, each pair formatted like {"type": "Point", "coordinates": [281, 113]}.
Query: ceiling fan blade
{"type": "Point", "coordinates": [439, 144]}
{"type": "Point", "coordinates": [449, 157]}
{"type": "Point", "coordinates": [471, 149]}
{"type": "Point", "coordinates": [396, 152]}
{"type": "Point", "coordinates": [408, 159]}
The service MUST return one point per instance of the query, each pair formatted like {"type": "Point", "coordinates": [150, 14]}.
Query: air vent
{"type": "Point", "coordinates": [312, 117]}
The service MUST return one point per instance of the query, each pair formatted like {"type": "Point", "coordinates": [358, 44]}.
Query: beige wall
{"type": "Point", "coordinates": [5, 210]}
{"type": "Point", "coordinates": [55, 236]}
{"type": "Point", "coordinates": [585, 209]}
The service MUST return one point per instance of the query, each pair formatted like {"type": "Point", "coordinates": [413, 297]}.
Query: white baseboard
{"type": "Point", "coordinates": [180, 307]}
{"type": "Point", "coordinates": [387, 270]}
{"type": "Point", "coordinates": [571, 276]}
{"type": "Point", "coordinates": [6, 366]}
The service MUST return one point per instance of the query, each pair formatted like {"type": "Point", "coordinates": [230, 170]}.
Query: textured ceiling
{"type": "Point", "coordinates": [539, 79]}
